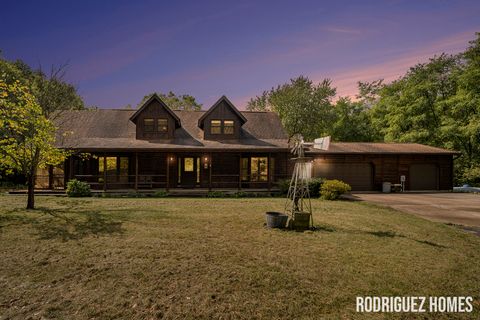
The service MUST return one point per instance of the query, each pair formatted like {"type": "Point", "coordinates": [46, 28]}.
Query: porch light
{"type": "Point", "coordinates": [171, 159]}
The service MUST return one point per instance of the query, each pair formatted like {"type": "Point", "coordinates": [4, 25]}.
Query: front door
{"type": "Point", "coordinates": [189, 172]}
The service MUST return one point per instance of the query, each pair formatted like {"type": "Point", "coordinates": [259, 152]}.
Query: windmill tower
{"type": "Point", "coordinates": [298, 205]}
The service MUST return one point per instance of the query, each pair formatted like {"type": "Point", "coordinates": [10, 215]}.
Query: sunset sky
{"type": "Point", "coordinates": [118, 51]}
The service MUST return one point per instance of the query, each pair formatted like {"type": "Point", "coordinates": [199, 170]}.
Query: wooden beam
{"type": "Point", "coordinates": [268, 171]}
{"type": "Point", "coordinates": [104, 172]}
{"type": "Point", "coordinates": [240, 172]}
{"type": "Point", "coordinates": [50, 177]}
{"type": "Point", "coordinates": [210, 172]}
{"type": "Point", "coordinates": [136, 171]}
{"type": "Point", "coordinates": [168, 173]}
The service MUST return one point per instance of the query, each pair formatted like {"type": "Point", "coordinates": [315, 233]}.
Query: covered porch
{"type": "Point", "coordinates": [178, 170]}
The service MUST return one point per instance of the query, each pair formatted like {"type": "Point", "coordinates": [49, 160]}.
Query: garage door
{"type": "Point", "coordinates": [358, 175]}
{"type": "Point", "coordinates": [423, 177]}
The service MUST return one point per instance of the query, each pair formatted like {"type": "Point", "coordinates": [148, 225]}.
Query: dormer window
{"type": "Point", "coordinates": [216, 127]}
{"type": "Point", "coordinates": [148, 125]}
{"type": "Point", "coordinates": [228, 127]}
{"type": "Point", "coordinates": [162, 125]}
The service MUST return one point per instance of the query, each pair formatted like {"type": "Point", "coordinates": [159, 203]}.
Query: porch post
{"type": "Point", "coordinates": [168, 173]}
{"type": "Point", "coordinates": [50, 177]}
{"type": "Point", "coordinates": [240, 172]}
{"type": "Point", "coordinates": [210, 173]}
{"type": "Point", "coordinates": [70, 168]}
{"type": "Point", "coordinates": [136, 171]}
{"type": "Point", "coordinates": [104, 172]}
{"type": "Point", "coordinates": [268, 171]}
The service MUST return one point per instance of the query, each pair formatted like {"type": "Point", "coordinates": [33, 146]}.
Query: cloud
{"type": "Point", "coordinates": [346, 80]}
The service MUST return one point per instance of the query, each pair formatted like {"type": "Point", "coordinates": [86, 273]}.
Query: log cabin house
{"type": "Point", "coordinates": [155, 147]}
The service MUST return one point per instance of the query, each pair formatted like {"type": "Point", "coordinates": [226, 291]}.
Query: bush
{"type": "Point", "coordinates": [283, 185]}
{"type": "Point", "coordinates": [160, 194]}
{"type": "Point", "coordinates": [471, 176]}
{"type": "Point", "coordinates": [216, 194]}
{"type": "Point", "coordinates": [314, 186]}
{"type": "Point", "coordinates": [333, 189]}
{"type": "Point", "coordinates": [77, 188]}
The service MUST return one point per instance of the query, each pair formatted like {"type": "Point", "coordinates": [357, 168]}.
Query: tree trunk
{"type": "Point", "coordinates": [31, 194]}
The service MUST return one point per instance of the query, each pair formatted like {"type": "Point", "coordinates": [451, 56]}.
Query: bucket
{"type": "Point", "coordinates": [276, 219]}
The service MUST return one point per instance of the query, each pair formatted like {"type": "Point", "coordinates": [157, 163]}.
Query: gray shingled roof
{"type": "Point", "coordinates": [380, 148]}
{"type": "Point", "coordinates": [111, 129]}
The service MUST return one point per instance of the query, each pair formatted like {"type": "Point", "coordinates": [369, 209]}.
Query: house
{"type": "Point", "coordinates": [221, 148]}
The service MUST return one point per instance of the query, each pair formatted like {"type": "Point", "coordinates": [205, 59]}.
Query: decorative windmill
{"type": "Point", "coordinates": [298, 205]}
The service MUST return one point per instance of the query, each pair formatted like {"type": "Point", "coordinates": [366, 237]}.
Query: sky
{"type": "Point", "coordinates": [119, 51]}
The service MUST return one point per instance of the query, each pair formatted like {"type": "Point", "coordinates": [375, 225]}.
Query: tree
{"type": "Point", "coordinates": [52, 93]}
{"type": "Point", "coordinates": [352, 122]}
{"type": "Point", "coordinates": [176, 102]}
{"type": "Point", "coordinates": [302, 106]}
{"type": "Point", "coordinates": [27, 137]}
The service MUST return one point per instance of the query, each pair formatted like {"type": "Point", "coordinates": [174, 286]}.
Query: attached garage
{"type": "Point", "coordinates": [358, 175]}
{"type": "Point", "coordinates": [424, 176]}
{"type": "Point", "coordinates": [366, 166]}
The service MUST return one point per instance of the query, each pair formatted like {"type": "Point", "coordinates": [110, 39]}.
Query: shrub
{"type": "Point", "coordinates": [333, 189]}
{"type": "Point", "coordinates": [314, 186]}
{"type": "Point", "coordinates": [472, 176]}
{"type": "Point", "coordinates": [77, 188]}
{"type": "Point", "coordinates": [216, 194]}
{"type": "Point", "coordinates": [160, 194]}
{"type": "Point", "coordinates": [283, 185]}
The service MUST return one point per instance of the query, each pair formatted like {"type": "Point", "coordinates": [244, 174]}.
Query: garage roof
{"type": "Point", "coordinates": [380, 148]}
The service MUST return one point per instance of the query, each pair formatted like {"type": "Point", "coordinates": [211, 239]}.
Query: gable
{"type": "Point", "coordinates": [155, 105]}
{"type": "Point", "coordinates": [222, 109]}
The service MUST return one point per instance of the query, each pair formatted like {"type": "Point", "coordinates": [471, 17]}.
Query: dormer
{"type": "Point", "coordinates": [154, 120]}
{"type": "Point", "coordinates": [222, 121]}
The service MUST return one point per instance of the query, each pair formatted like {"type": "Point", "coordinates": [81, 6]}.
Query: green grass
{"type": "Point", "coordinates": [213, 258]}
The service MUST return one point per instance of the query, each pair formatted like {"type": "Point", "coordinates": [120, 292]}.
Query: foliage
{"type": "Point", "coordinates": [352, 122]}
{"type": "Point", "coordinates": [76, 188]}
{"type": "Point", "coordinates": [52, 93]}
{"type": "Point", "coordinates": [333, 189]}
{"type": "Point", "coordinates": [471, 176]}
{"type": "Point", "coordinates": [160, 194]}
{"type": "Point", "coordinates": [29, 99]}
{"type": "Point", "coordinates": [283, 185]}
{"type": "Point", "coordinates": [435, 103]}
{"type": "Point", "coordinates": [27, 137]}
{"type": "Point", "coordinates": [216, 194]}
{"type": "Point", "coordinates": [176, 102]}
{"type": "Point", "coordinates": [314, 186]}
{"type": "Point", "coordinates": [302, 106]}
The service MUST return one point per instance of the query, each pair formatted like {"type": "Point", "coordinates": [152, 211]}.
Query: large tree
{"type": "Point", "coordinates": [302, 106]}
{"type": "Point", "coordinates": [435, 103]}
{"type": "Point", "coordinates": [176, 102]}
{"type": "Point", "coordinates": [27, 137]}
{"type": "Point", "coordinates": [352, 122]}
{"type": "Point", "coordinates": [51, 96]}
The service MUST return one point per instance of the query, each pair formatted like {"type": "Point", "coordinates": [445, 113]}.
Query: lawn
{"type": "Point", "coordinates": [110, 258]}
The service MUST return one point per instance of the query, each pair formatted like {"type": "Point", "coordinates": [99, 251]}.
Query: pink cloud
{"type": "Point", "coordinates": [346, 80]}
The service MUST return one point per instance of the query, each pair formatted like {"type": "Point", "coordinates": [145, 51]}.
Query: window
{"type": "Point", "coordinates": [188, 164]}
{"type": "Point", "coordinates": [259, 169]}
{"type": "Point", "coordinates": [162, 125]}
{"type": "Point", "coordinates": [215, 127]}
{"type": "Point", "coordinates": [148, 125]}
{"type": "Point", "coordinates": [228, 127]}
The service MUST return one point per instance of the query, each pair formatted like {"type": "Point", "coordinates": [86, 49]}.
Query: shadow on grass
{"type": "Point", "coordinates": [64, 224]}
{"type": "Point", "coordinates": [379, 234]}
